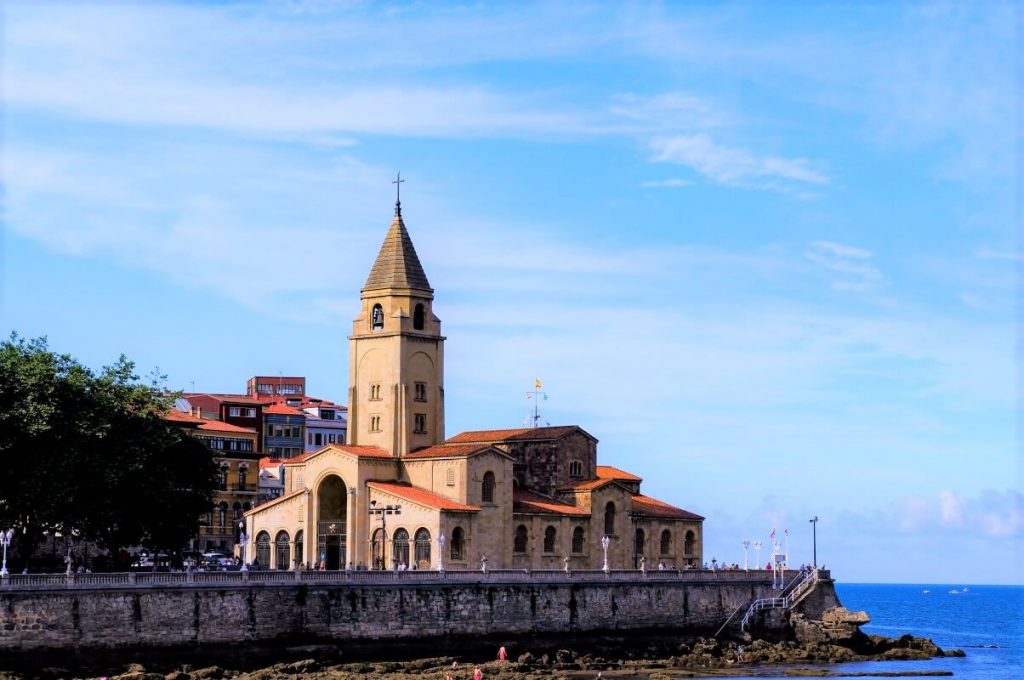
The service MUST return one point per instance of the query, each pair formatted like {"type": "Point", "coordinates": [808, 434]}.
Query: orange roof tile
{"type": "Point", "coordinates": [226, 398]}
{"type": "Point", "coordinates": [422, 497]}
{"type": "Point", "coordinates": [362, 451]}
{"type": "Point", "coordinates": [283, 410]}
{"type": "Point", "coordinates": [175, 416]}
{"type": "Point", "coordinates": [609, 472]}
{"type": "Point", "coordinates": [267, 462]}
{"type": "Point", "coordinates": [518, 434]}
{"type": "Point", "coordinates": [448, 451]}
{"type": "Point", "coordinates": [295, 460]}
{"type": "Point", "coordinates": [587, 485]}
{"type": "Point", "coordinates": [220, 426]}
{"type": "Point", "coordinates": [529, 502]}
{"type": "Point", "coordinates": [652, 507]}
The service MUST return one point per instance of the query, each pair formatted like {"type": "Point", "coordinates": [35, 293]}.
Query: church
{"type": "Point", "coordinates": [400, 495]}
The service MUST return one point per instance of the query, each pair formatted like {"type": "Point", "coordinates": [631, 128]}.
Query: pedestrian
{"type": "Point", "coordinates": [478, 674]}
{"type": "Point", "coordinates": [502, 654]}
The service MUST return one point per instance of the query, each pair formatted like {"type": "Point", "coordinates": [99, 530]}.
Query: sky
{"type": "Point", "coordinates": [766, 253]}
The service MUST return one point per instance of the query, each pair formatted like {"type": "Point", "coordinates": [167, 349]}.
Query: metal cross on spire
{"type": "Point", "coordinates": [398, 193]}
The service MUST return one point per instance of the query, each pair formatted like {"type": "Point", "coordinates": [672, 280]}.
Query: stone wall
{"type": "Point", "coordinates": [168, 616]}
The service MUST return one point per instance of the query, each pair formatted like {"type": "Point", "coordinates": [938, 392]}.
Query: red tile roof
{"type": "Point", "coordinates": [652, 507]}
{"type": "Point", "coordinates": [226, 398]}
{"type": "Point", "coordinates": [283, 410]}
{"type": "Point", "coordinates": [448, 451]}
{"type": "Point", "coordinates": [175, 416]}
{"type": "Point", "coordinates": [422, 497]}
{"type": "Point", "coordinates": [219, 426]}
{"type": "Point", "coordinates": [587, 485]}
{"type": "Point", "coordinates": [362, 451]}
{"type": "Point", "coordinates": [609, 472]}
{"type": "Point", "coordinates": [267, 462]}
{"type": "Point", "coordinates": [519, 434]}
{"type": "Point", "coordinates": [529, 502]}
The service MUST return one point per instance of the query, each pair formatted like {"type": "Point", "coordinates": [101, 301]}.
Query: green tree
{"type": "Point", "coordinates": [88, 454]}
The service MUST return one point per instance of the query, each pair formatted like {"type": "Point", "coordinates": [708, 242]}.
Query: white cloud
{"type": "Point", "coordinates": [670, 183]}
{"type": "Point", "coordinates": [853, 264]}
{"type": "Point", "coordinates": [733, 165]}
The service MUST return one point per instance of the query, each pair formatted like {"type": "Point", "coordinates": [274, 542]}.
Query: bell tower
{"type": "Point", "coordinates": [396, 353]}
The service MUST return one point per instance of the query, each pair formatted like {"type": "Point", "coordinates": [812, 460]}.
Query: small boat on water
{"type": "Point", "coordinates": [926, 591]}
{"type": "Point", "coordinates": [964, 589]}
{"type": "Point", "coordinates": [954, 592]}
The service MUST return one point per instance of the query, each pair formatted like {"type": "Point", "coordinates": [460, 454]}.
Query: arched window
{"type": "Point", "coordinates": [549, 540]}
{"type": "Point", "coordinates": [688, 544]}
{"type": "Point", "coordinates": [487, 490]}
{"type": "Point", "coordinates": [243, 472]}
{"type": "Point", "coordinates": [236, 511]}
{"type": "Point", "coordinates": [458, 539]}
{"type": "Point", "coordinates": [666, 542]}
{"type": "Point", "coordinates": [378, 317]}
{"type": "Point", "coordinates": [575, 469]}
{"type": "Point", "coordinates": [282, 557]}
{"type": "Point", "coordinates": [299, 555]}
{"type": "Point", "coordinates": [223, 477]}
{"type": "Point", "coordinates": [422, 549]}
{"type": "Point", "coordinates": [609, 519]}
{"type": "Point", "coordinates": [577, 540]}
{"type": "Point", "coordinates": [417, 317]}
{"type": "Point", "coordinates": [519, 544]}
{"type": "Point", "coordinates": [377, 545]}
{"type": "Point", "coordinates": [639, 542]}
{"type": "Point", "coordinates": [223, 514]}
{"type": "Point", "coordinates": [400, 549]}
{"type": "Point", "coordinates": [263, 549]}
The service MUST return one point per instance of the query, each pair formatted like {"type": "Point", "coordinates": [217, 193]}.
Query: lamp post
{"type": "Point", "coordinates": [5, 540]}
{"type": "Point", "coordinates": [746, 544]}
{"type": "Point", "coordinates": [67, 559]}
{"type": "Point", "coordinates": [757, 552]}
{"type": "Point", "coordinates": [814, 534]}
{"type": "Point", "coordinates": [483, 563]}
{"type": "Point", "coordinates": [242, 538]}
{"type": "Point", "coordinates": [383, 512]}
{"type": "Point", "coordinates": [605, 542]}
{"type": "Point", "coordinates": [440, 552]}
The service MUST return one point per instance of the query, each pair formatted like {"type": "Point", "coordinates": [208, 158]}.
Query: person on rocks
{"type": "Point", "coordinates": [478, 674]}
{"type": "Point", "coordinates": [502, 654]}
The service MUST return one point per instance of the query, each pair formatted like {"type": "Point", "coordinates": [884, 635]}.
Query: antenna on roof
{"type": "Point", "coordinates": [537, 395]}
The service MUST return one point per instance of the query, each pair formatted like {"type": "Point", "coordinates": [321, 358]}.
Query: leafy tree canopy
{"type": "Point", "coordinates": [87, 454]}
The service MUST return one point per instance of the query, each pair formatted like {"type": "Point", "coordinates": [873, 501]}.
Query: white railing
{"type": "Point", "coordinates": [798, 588]}
{"type": "Point", "coordinates": [344, 577]}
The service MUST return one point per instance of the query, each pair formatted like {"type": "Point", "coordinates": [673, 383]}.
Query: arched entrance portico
{"type": "Point", "coordinates": [332, 521]}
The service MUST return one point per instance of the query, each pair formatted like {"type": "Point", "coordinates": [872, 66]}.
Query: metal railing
{"type": "Point", "coordinates": [357, 577]}
{"type": "Point", "coordinates": [798, 589]}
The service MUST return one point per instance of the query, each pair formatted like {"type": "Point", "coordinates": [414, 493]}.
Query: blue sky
{"type": "Point", "coordinates": [766, 253]}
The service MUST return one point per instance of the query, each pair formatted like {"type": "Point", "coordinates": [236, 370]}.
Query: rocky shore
{"type": "Point", "coordinates": [662, 660]}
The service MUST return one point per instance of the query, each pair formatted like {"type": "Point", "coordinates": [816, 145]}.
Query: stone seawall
{"type": "Point", "coordinates": [155, 616]}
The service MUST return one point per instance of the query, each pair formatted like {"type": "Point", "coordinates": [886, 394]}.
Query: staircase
{"type": "Point", "coordinates": [798, 590]}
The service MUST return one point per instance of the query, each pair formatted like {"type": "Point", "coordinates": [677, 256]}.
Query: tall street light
{"type": "Point", "coordinates": [604, 544]}
{"type": "Point", "coordinates": [5, 540]}
{"type": "Point", "coordinates": [440, 551]}
{"type": "Point", "coordinates": [384, 511]}
{"type": "Point", "coordinates": [814, 534]}
{"type": "Point", "coordinates": [746, 544]}
{"type": "Point", "coordinates": [757, 552]}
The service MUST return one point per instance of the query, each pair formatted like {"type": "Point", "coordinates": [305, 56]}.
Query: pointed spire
{"type": "Point", "coordinates": [397, 265]}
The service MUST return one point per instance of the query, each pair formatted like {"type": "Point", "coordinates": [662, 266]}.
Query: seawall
{"type": "Point", "coordinates": [371, 606]}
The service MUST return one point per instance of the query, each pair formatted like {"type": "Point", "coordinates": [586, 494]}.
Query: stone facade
{"type": "Point", "coordinates": [83, 619]}
{"type": "Point", "coordinates": [401, 495]}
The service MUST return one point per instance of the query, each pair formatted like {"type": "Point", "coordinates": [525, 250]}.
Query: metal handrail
{"type": "Point", "coordinates": [800, 586]}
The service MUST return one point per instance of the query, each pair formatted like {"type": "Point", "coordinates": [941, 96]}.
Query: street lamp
{"type": "Point", "coordinates": [242, 538]}
{"type": "Point", "coordinates": [384, 511]}
{"type": "Point", "coordinates": [440, 552]}
{"type": "Point", "coordinates": [67, 560]}
{"type": "Point", "coordinates": [814, 533]}
{"type": "Point", "coordinates": [757, 552]}
{"type": "Point", "coordinates": [605, 541]}
{"type": "Point", "coordinates": [746, 544]}
{"type": "Point", "coordinates": [5, 540]}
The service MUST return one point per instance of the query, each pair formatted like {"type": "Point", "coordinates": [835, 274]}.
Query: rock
{"type": "Point", "coordinates": [135, 668]}
{"type": "Point", "coordinates": [955, 652]}
{"type": "Point", "coordinates": [564, 655]}
{"type": "Point", "coordinates": [303, 666]}
{"type": "Point", "coordinates": [208, 673]}
{"type": "Point", "coordinates": [526, 659]}
{"type": "Point", "coordinates": [176, 675]}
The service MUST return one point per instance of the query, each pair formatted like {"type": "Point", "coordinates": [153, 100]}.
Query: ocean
{"type": "Point", "coordinates": [987, 622]}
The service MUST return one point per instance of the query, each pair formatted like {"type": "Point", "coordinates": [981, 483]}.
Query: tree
{"type": "Point", "coordinates": [89, 455]}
